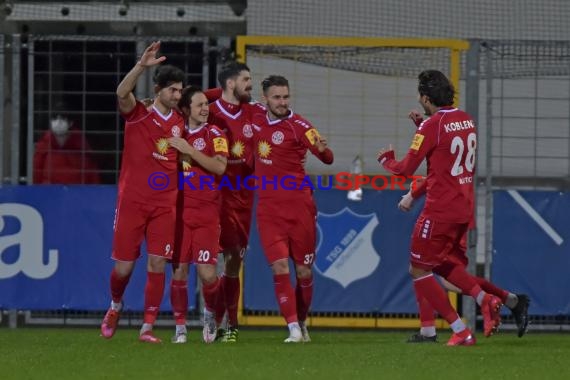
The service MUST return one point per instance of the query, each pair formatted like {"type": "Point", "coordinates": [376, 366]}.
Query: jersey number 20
{"type": "Point", "coordinates": [457, 148]}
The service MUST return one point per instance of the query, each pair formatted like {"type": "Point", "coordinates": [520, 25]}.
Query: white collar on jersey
{"type": "Point", "coordinates": [164, 117]}
{"type": "Point", "coordinates": [449, 110]}
{"type": "Point", "coordinates": [273, 122]}
{"type": "Point", "coordinates": [225, 112]}
{"type": "Point", "coordinates": [195, 130]}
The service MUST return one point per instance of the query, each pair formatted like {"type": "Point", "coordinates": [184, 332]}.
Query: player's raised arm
{"type": "Point", "coordinates": [125, 94]}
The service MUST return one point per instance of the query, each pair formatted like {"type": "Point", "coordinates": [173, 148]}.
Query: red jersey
{"type": "Point", "coordinates": [234, 121]}
{"type": "Point", "coordinates": [149, 164]}
{"type": "Point", "coordinates": [199, 184]}
{"type": "Point", "coordinates": [279, 148]}
{"type": "Point", "coordinates": [448, 140]}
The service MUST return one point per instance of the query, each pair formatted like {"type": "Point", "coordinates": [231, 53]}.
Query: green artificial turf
{"type": "Point", "coordinates": [78, 353]}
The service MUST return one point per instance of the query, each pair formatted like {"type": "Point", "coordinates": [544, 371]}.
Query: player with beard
{"type": "Point", "coordinates": [231, 111]}
{"type": "Point", "coordinates": [286, 215]}
{"type": "Point", "coordinates": [146, 202]}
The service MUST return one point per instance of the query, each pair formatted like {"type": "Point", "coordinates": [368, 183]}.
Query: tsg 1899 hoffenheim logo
{"type": "Point", "coordinates": [345, 252]}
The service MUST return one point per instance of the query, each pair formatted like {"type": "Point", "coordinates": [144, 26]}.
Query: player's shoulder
{"type": "Point", "coordinates": [215, 130]}
{"type": "Point", "coordinates": [299, 121]}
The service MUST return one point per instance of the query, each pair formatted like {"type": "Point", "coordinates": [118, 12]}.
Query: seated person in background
{"type": "Point", "coordinates": [62, 155]}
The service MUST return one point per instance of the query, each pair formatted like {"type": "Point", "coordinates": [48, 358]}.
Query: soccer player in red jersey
{"type": "Point", "coordinates": [205, 152]}
{"type": "Point", "coordinates": [147, 188]}
{"type": "Point", "coordinates": [286, 211]}
{"type": "Point", "coordinates": [517, 303]}
{"type": "Point", "coordinates": [448, 140]}
{"type": "Point", "coordinates": [230, 111]}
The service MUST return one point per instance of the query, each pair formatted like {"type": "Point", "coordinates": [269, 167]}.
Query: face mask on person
{"type": "Point", "coordinates": [59, 125]}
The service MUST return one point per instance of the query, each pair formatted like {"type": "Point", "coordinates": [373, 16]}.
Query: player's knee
{"type": "Point", "coordinates": [303, 271]}
{"type": "Point", "coordinates": [156, 264]}
{"type": "Point", "coordinates": [124, 268]}
{"type": "Point", "coordinates": [280, 266]}
{"type": "Point", "coordinates": [207, 273]}
{"type": "Point", "coordinates": [180, 272]}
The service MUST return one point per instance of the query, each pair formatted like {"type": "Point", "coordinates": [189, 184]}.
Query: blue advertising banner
{"type": "Point", "coordinates": [55, 248]}
{"type": "Point", "coordinates": [531, 248]}
{"type": "Point", "coordinates": [362, 257]}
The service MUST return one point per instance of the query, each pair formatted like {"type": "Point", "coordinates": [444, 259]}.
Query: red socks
{"type": "Point", "coordinates": [464, 281]}
{"type": "Point", "coordinates": [304, 296]}
{"type": "Point", "coordinates": [285, 297]}
{"type": "Point", "coordinates": [492, 289]}
{"type": "Point", "coordinates": [231, 296]}
{"type": "Point", "coordinates": [179, 300]}
{"type": "Point", "coordinates": [153, 292]}
{"type": "Point", "coordinates": [427, 314]}
{"type": "Point", "coordinates": [118, 286]}
{"type": "Point", "coordinates": [211, 293]}
{"type": "Point", "coordinates": [427, 287]}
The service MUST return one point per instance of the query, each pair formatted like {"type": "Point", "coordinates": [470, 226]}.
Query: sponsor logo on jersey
{"type": "Point", "coordinates": [162, 146]}
{"type": "Point", "coordinates": [345, 252]}
{"type": "Point", "coordinates": [238, 149]}
{"type": "Point", "coordinates": [199, 144]}
{"type": "Point", "coordinates": [313, 136]}
{"type": "Point", "coordinates": [417, 142]}
{"type": "Point", "coordinates": [264, 149]}
{"type": "Point", "coordinates": [277, 137]}
{"type": "Point", "coordinates": [220, 145]}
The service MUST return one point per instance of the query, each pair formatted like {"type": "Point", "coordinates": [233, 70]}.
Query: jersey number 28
{"type": "Point", "coordinates": [457, 148]}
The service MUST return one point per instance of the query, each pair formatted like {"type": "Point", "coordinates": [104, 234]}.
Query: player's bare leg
{"type": "Point", "coordinates": [120, 277]}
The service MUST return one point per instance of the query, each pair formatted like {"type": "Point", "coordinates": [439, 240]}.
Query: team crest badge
{"type": "Point", "coordinates": [277, 137]}
{"type": "Point", "coordinates": [247, 131]}
{"type": "Point", "coordinates": [176, 131]}
{"type": "Point", "coordinates": [199, 144]}
{"type": "Point", "coordinates": [345, 252]}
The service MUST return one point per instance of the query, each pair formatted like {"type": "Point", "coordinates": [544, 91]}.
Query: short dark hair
{"type": "Point", "coordinates": [165, 75]}
{"type": "Point", "coordinates": [230, 71]}
{"type": "Point", "coordinates": [435, 85]}
{"type": "Point", "coordinates": [186, 97]}
{"type": "Point", "coordinates": [274, 80]}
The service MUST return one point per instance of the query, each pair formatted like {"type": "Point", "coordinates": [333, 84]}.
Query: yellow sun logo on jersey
{"type": "Point", "coordinates": [162, 146]}
{"type": "Point", "coordinates": [238, 149]}
{"type": "Point", "coordinates": [186, 165]}
{"type": "Point", "coordinates": [264, 149]}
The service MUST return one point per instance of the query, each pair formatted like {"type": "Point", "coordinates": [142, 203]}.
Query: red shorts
{"type": "Point", "coordinates": [288, 229]}
{"type": "Point", "coordinates": [434, 243]}
{"type": "Point", "coordinates": [137, 221]}
{"type": "Point", "coordinates": [198, 235]}
{"type": "Point", "coordinates": [235, 219]}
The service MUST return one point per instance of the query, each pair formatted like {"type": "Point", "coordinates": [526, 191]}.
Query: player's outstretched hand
{"type": "Point", "coordinates": [181, 145]}
{"type": "Point", "coordinates": [386, 154]}
{"type": "Point", "coordinates": [321, 144]}
{"type": "Point", "coordinates": [149, 57]}
{"type": "Point", "coordinates": [407, 202]}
